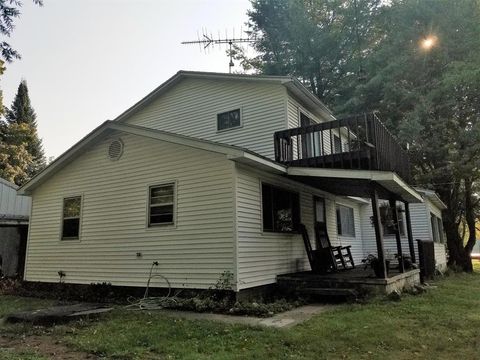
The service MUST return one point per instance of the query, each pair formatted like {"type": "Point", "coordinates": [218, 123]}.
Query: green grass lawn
{"type": "Point", "coordinates": [443, 323]}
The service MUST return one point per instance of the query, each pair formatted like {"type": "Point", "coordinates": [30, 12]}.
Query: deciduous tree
{"type": "Point", "coordinates": [368, 56]}
{"type": "Point", "coordinates": [9, 11]}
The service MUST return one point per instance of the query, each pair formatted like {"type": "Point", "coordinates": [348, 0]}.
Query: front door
{"type": "Point", "coordinates": [320, 216]}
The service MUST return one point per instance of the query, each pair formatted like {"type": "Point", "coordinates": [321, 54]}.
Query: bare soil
{"type": "Point", "coordinates": [45, 346]}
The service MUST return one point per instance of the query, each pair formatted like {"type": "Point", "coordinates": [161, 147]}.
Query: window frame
{"type": "Point", "coordinates": [80, 217]}
{"type": "Point", "coordinates": [436, 224]}
{"type": "Point", "coordinates": [239, 109]}
{"type": "Point", "coordinates": [295, 224]}
{"type": "Point", "coordinates": [339, 219]}
{"type": "Point", "coordinates": [173, 223]}
{"type": "Point", "coordinates": [441, 230]}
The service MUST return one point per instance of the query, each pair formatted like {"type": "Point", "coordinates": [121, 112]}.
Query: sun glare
{"type": "Point", "coordinates": [428, 42]}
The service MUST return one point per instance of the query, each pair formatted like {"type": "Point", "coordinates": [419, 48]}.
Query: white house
{"type": "Point", "coordinates": [14, 212]}
{"type": "Point", "coordinates": [193, 177]}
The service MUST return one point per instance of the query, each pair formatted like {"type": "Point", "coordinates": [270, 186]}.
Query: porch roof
{"type": "Point", "coordinates": [356, 182]}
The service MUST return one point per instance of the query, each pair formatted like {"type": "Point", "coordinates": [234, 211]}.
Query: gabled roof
{"type": "Point", "coordinates": [292, 84]}
{"type": "Point", "coordinates": [232, 152]}
{"type": "Point", "coordinates": [433, 197]}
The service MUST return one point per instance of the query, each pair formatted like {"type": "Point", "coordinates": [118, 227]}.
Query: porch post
{"type": "Point", "coordinates": [378, 231]}
{"type": "Point", "coordinates": [411, 246]}
{"type": "Point", "coordinates": [393, 207]}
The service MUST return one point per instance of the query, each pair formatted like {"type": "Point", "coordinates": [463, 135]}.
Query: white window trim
{"type": "Point", "coordinates": [71, 239]}
{"type": "Point", "coordinates": [170, 225]}
{"type": "Point", "coordinates": [354, 235]}
{"type": "Point", "coordinates": [228, 110]}
{"type": "Point", "coordinates": [435, 229]}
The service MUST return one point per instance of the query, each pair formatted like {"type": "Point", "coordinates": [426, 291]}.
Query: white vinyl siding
{"type": "Point", "coordinates": [261, 256]}
{"type": "Point", "coordinates": [440, 256]}
{"type": "Point", "coordinates": [114, 224]}
{"type": "Point", "coordinates": [191, 107]}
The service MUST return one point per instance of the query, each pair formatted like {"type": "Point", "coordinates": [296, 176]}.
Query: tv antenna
{"type": "Point", "coordinates": [209, 41]}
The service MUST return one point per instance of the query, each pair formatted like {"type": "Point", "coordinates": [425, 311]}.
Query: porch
{"type": "Point", "coordinates": [355, 157]}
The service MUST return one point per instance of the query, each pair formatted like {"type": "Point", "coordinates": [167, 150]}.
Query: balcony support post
{"type": "Point", "coordinates": [378, 231]}
{"type": "Point", "coordinates": [393, 208]}
{"type": "Point", "coordinates": [411, 246]}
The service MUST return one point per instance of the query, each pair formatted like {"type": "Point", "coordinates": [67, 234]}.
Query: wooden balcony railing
{"type": "Point", "coordinates": [359, 142]}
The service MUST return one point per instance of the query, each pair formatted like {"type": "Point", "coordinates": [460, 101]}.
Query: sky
{"type": "Point", "coordinates": [86, 61]}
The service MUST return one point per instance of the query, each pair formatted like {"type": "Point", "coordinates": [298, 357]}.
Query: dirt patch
{"type": "Point", "coordinates": [57, 314]}
{"type": "Point", "coordinates": [45, 346]}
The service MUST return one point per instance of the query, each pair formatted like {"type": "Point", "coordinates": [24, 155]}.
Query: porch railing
{"type": "Point", "coordinates": [359, 142]}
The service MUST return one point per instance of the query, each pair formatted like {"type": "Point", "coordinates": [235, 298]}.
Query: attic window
{"type": "Point", "coordinates": [228, 120]}
{"type": "Point", "coordinates": [115, 149]}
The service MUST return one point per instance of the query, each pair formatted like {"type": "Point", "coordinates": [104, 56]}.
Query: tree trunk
{"type": "Point", "coordinates": [460, 253]}
{"type": "Point", "coordinates": [470, 220]}
{"type": "Point", "coordinates": [459, 258]}
{"type": "Point", "coordinates": [453, 237]}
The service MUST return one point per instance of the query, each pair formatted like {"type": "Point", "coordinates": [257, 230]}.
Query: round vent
{"type": "Point", "coordinates": [115, 149]}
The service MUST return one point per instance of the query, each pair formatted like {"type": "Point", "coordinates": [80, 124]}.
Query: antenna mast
{"type": "Point", "coordinates": [209, 41]}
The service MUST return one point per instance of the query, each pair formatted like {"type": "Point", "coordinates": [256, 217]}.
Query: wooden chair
{"type": "Point", "coordinates": [314, 256]}
{"type": "Point", "coordinates": [335, 257]}
{"type": "Point", "coordinates": [326, 258]}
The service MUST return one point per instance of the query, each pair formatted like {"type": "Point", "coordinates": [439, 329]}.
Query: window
{"type": "Point", "coordinates": [337, 144]}
{"type": "Point", "coordinates": [161, 205]}
{"type": "Point", "coordinates": [281, 209]}
{"type": "Point", "coordinates": [440, 230]}
{"type": "Point", "coordinates": [345, 221]}
{"type": "Point", "coordinates": [437, 228]}
{"type": "Point", "coordinates": [305, 120]}
{"type": "Point", "coordinates": [386, 217]}
{"type": "Point", "coordinates": [228, 120]}
{"type": "Point", "coordinates": [310, 144]}
{"type": "Point", "coordinates": [71, 218]}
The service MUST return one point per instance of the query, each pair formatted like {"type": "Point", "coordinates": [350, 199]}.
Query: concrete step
{"type": "Point", "coordinates": [303, 283]}
{"type": "Point", "coordinates": [338, 292]}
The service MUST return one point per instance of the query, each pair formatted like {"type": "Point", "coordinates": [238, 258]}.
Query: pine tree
{"type": "Point", "coordinates": [22, 110]}
{"type": "Point", "coordinates": [21, 150]}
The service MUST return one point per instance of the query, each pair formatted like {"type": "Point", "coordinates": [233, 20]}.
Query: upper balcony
{"type": "Point", "coordinates": [359, 143]}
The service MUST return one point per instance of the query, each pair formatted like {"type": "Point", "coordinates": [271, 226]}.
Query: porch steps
{"type": "Point", "coordinates": [352, 283]}
{"type": "Point", "coordinates": [327, 292]}
{"type": "Point", "coordinates": [315, 283]}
